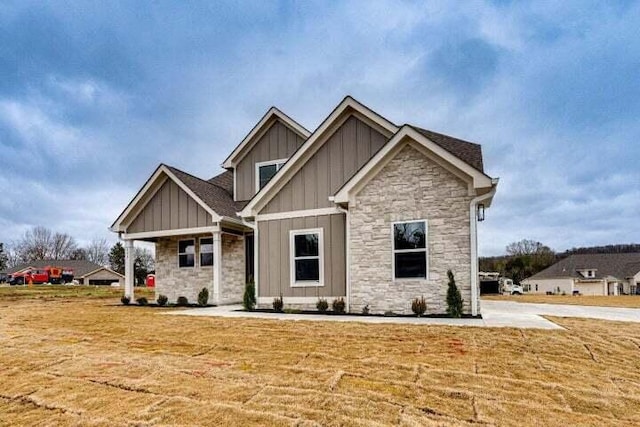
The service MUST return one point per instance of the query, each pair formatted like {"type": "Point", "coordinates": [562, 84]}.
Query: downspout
{"type": "Point", "coordinates": [348, 256]}
{"type": "Point", "coordinates": [473, 221]}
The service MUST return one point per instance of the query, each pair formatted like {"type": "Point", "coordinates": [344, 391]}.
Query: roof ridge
{"type": "Point", "coordinates": [442, 134]}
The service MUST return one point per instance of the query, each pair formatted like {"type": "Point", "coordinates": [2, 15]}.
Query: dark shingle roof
{"type": "Point", "coordinates": [214, 196]}
{"type": "Point", "coordinates": [80, 267]}
{"type": "Point", "coordinates": [620, 266]}
{"type": "Point", "coordinates": [467, 151]}
{"type": "Point", "coordinates": [224, 181]}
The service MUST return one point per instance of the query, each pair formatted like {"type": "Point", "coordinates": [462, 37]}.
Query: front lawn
{"type": "Point", "coordinates": [67, 291]}
{"type": "Point", "coordinates": [628, 301]}
{"type": "Point", "coordinates": [89, 361]}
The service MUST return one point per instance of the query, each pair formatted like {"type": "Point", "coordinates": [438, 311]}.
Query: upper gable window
{"type": "Point", "coordinates": [266, 170]}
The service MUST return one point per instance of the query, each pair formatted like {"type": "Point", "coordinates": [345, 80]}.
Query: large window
{"type": "Point", "coordinates": [306, 251]}
{"type": "Point", "coordinates": [410, 250]}
{"type": "Point", "coordinates": [206, 251]}
{"type": "Point", "coordinates": [266, 170]}
{"type": "Point", "coordinates": [186, 253]}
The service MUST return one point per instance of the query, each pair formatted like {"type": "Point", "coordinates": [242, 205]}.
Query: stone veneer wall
{"type": "Point", "coordinates": [410, 187]}
{"type": "Point", "coordinates": [173, 281]}
{"type": "Point", "coordinates": [233, 269]}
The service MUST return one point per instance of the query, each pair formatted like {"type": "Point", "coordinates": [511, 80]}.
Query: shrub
{"type": "Point", "coordinates": [182, 301]}
{"type": "Point", "coordinates": [125, 300]}
{"type": "Point", "coordinates": [322, 305]}
{"type": "Point", "coordinates": [338, 305]}
{"type": "Point", "coordinates": [142, 301]}
{"type": "Point", "coordinates": [419, 306]}
{"type": "Point", "coordinates": [454, 299]}
{"type": "Point", "coordinates": [365, 309]}
{"type": "Point", "coordinates": [249, 298]}
{"type": "Point", "coordinates": [278, 304]}
{"type": "Point", "coordinates": [389, 313]}
{"type": "Point", "coordinates": [162, 300]}
{"type": "Point", "coordinates": [203, 297]}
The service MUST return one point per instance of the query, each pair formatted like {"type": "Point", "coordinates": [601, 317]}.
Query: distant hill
{"type": "Point", "coordinates": [608, 249]}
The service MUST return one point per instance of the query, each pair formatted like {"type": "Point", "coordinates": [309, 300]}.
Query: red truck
{"type": "Point", "coordinates": [48, 274]}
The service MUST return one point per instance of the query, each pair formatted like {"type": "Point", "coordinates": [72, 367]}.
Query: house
{"type": "Point", "coordinates": [360, 208]}
{"type": "Point", "coordinates": [589, 274]}
{"type": "Point", "coordinates": [85, 272]}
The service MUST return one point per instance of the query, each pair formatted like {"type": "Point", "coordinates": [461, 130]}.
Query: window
{"type": "Point", "coordinates": [410, 250]}
{"type": "Point", "coordinates": [186, 253]}
{"type": "Point", "coordinates": [306, 251]}
{"type": "Point", "coordinates": [266, 170]}
{"type": "Point", "coordinates": [206, 251]}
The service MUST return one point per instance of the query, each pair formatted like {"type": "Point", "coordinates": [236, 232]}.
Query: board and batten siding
{"type": "Point", "coordinates": [278, 142]}
{"type": "Point", "coordinates": [170, 208]}
{"type": "Point", "coordinates": [346, 151]}
{"type": "Point", "coordinates": [274, 256]}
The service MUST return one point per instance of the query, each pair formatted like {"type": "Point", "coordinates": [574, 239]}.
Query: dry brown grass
{"type": "Point", "coordinates": [93, 362]}
{"type": "Point", "coordinates": [628, 301]}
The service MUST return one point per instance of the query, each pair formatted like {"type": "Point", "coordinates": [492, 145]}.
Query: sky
{"type": "Point", "coordinates": [94, 95]}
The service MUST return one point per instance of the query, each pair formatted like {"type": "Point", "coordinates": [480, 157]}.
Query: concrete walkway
{"type": "Point", "coordinates": [492, 317]}
{"type": "Point", "coordinates": [499, 308]}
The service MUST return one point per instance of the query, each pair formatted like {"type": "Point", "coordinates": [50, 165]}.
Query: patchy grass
{"type": "Point", "coordinates": [628, 301]}
{"type": "Point", "coordinates": [67, 291]}
{"type": "Point", "coordinates": [87, 361]}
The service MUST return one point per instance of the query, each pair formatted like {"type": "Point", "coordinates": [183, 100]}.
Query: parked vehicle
{"type": "Point", "coordinates": [510, 288]}
{"type": "Point", "coordinates": [48, 274]}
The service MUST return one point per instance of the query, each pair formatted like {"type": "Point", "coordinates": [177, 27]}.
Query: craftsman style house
{"type": "Point", "coordinates": [360, 208]}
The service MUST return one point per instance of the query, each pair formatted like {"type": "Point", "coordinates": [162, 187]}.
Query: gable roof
{"type": "Point", "coordinates": [224, 181]}
{"type": "Point", "coordinates": [265, 122]}
{"type": "Point", "coordinates": [470, 152]}
{"type": "Point", "coordinates": [80, 267]}
{"type": "Point", "coordinates": [620, 266]}
{"type": "Point", "coordinates": [347, 106]}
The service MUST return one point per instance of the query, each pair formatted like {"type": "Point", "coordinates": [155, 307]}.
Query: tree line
{"type": "Point", "coordinates": [41, 243]}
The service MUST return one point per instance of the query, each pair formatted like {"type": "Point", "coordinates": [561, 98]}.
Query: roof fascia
{"type": "Point", "coordinates": [299, 158]}
{"type": "Point", "coordinates": [102, 268]}
{"type": "Point", "coordinates": [478, 179]}
{"type": "Point", "coordinates": [234, 158]}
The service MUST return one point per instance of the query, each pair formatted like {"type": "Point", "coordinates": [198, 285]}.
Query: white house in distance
{"type": "Point", "coordinates": [589, 274]}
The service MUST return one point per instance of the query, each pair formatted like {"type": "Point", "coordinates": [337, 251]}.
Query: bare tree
{"type": "Point", "coordinates": [62, 246]}
{"type": "Point", "coordinates": [40, 243]}
{"type": "Point", "coordinates": [98, 251]}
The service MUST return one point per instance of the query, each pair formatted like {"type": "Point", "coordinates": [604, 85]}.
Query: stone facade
{"type": "Point", "coordinates": [410, 187]}
{"type": "Point", "coordinates": [174, 281]}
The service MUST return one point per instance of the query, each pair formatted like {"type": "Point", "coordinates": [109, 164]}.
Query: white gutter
{"type": "Point", "coordinates": [473, 217]}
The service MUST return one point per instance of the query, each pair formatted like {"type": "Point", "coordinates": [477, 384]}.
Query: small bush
{"type": "Point", "coordinates": [203, 297]}
{"type": "Point", "coordinates": [338, 305]}
{"type": "Point", "coordinates": [292, 310]}
{"type": "Point", "coordinates": [419, 306]}
{"type": "Point", "coordinates": [278, 304]}
{"type": "Point", "coordinates": [365, 309]}
{"type": "Point", "coordinates": [249, 298]}
{"type": "Point", "coordinates": [182, 302]}
{"type": "Point", "coordinates": [125, 300]}
{"type": "Point", "coordinates": [454, 299]}
{"type": "Point", "coordinates": [389, 313]}
{"type": "Point", "coordinates": [142, 301]}
{"type": "Point", "coordinates": [322, 305]}
{"type": "Point", "coordinates": [162, 300]}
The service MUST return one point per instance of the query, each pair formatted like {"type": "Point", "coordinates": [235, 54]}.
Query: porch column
{"type": "Point", "coordinates": [217, 266]}
{"type": "Point", "coordinates": [129, 276]}
{"type": "Point", "coordinates": [616, 288]}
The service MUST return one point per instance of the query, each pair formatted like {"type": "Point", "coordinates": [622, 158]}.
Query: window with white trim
{"type": "Point", "coordinates": [266, 170]}
{"type": "Point", "coordinates": [186, 253]}
{"type": "Point", "coordinates": [410, 250]}
{"type": "Point", "coordinates": [306, 257]}
{"type": "Point", "coordinates": [206, 251]}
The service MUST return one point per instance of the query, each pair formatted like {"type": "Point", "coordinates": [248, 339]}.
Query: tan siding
{"type": "Point", "coordinates": [340, 157]}
{"type": "Point", "coordinates": [170, 208]}
{"type": "Point", "coordinates": [278, 142]}
{"type": "Point", "coordinates": [274, 268]}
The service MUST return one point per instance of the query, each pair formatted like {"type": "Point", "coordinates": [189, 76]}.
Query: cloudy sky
{"type": "Point", "coordinates": [93, 95]}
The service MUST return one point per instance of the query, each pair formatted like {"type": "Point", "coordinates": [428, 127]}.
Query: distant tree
{"type": "Point", "coordinates": [79, 254]}
{"type": "Point", "coordinates": [4, 258]}
{"type": "Point", "coordinates": [98, 251]}
{"type": "Point", "coordinates": [62, 246]}
{"type": "Point", "coordinates": [143, 264]}
{"type": "Point", "coordinates": [116, 258]}
{"type": "Point", "coordinates": [41, 243]}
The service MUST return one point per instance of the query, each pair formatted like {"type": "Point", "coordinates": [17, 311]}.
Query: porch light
{"type": "Point", "coordinates": [480, 212]}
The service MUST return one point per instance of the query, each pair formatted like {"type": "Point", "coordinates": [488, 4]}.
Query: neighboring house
{"type": "Point", "coordinates": [360, 208]}
{"type": "Point", "coordinates": [589, 274]}
{"type": "Point", "coordinates": [85, 272]}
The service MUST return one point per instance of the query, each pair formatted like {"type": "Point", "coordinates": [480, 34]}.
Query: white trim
{"type": "Point", "coordinates": [170, 233]}
{"type": "Point", "coordinates": [234, 185]}
{"type": "Point", "coordinates": [299, 214]}
{"type": "Point", "coordinates": [129, 276]}
{"type": "Point", "coordinates": [195, 252]}
{"type": "Point", "coordinates": [278, 162]}
{"type": "Point", "coordinates": [200, 252]}
{"type": "Point", "coordinates": [256, 260]}
{"type": "Point", "coordinates": [296, 300]}
{"type": "Point", "coordinates": [292, 258]}
{"type": "Point", "coordinates": [394, 251]}
{"type": "Point", "coordinates": [270, 116]}
{"type": "Point", "coordinates": [217, 266]}
{"type": "Point", "coordinates": [369, 170]}
{"type": "Point", "coordinates": [300, 157]}
{"type": "Point", "coordinates": [473, 232]}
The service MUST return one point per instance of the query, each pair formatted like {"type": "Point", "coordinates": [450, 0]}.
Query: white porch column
{"type": "Point", "coordinates": [616, 288]}
{"type": "Point", "coordinates": [129, 276]}
{"type": "Point", "coordinates": [217, 266]}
